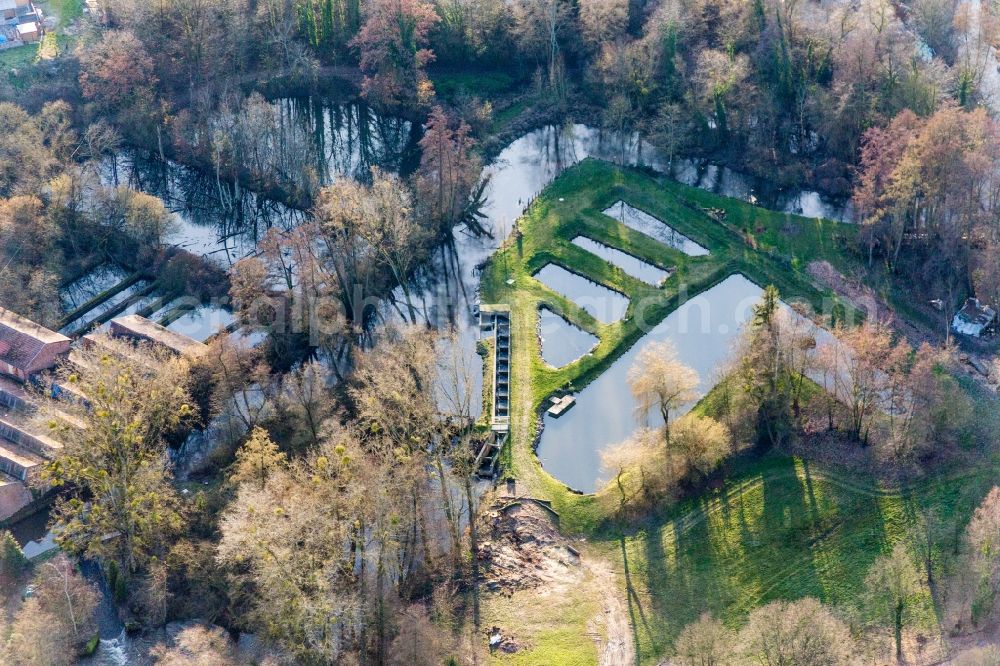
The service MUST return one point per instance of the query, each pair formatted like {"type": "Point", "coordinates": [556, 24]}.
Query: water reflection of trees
{"type": "Point", "coordinates": [240, 217]}
{"type": "Point", "coordinates": [350, 139]}
{"type": "Point", "coordinates": [300, 141]}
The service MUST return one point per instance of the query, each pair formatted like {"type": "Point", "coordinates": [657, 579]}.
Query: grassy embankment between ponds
{"type": "Point", "coordinates": [777, 527]}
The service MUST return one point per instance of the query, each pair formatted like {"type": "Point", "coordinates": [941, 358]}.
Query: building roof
{"type": "Point", "coordinates": [27, 28]}
{"type": "Point", "coordinates": [22, 340]}
{"type": "Point", "coordinates": [7, 4]}
{"type": "Point", "coordinates": [14, 496]}
{"type": "Point", "coordinates": [973, 318]}
{"type": "Point", "coordinates": [141, 327]}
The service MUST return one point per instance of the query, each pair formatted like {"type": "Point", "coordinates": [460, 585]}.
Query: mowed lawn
{"type": "Point", "coordinates": [784, 529]}
{"type": "Point", "coordinates": [778, 527]}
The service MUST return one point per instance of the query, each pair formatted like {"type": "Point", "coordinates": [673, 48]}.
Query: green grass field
{"type": "Point", "coordinates": [782, 529]}
{"type": "Point", "coordinates": [68, 11]}
{"type": "Point", "coordinates": [20, 56]}
{"type": "Point", "coordinates": [778, 528]}
{"type": "Point", "coordinates": [486, 84]}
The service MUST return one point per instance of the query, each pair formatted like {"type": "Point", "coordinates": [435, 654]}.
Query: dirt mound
{"type": "Point", "coordinates": [523, 549]}
{"type": "Point", "coordinates": [527, 563]}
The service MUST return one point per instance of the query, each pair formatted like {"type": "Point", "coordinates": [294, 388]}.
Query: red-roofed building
{"type": "Point", "coordinates": [27, 348]}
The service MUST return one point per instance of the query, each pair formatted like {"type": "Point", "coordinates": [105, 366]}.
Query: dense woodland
{"type": "Point", "coordinates": [881, 102]}
{"type": "Point", "coordinates": [336, 520]}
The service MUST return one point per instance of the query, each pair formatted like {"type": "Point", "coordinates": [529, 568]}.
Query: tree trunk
{"type": "Point", "coordinates": [363, 589]}
{"type": "Point", "coordinates": [473, 548]}
{"type": "Point", "coordinates": [448, 512]}
{"type": "Point", "coordinates": [380, 607]}
{"type": "Point", "coordinates": [899, 630]}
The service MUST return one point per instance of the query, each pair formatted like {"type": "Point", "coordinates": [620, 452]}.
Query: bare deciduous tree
{"type": "Point", "coordinates": [706, 642]}
{"type": "Point", "coordinates": [892, 583]}
{"type": "Point", "coordinates": [659, 380]}
{"type": "Point", "coordinates": [798, 632]}
{"type": "Point", "coordinates": [701, 441]}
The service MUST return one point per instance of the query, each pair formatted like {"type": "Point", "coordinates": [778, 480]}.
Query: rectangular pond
{"type": "Point", "coordinates": [632, 265]}
{"type": "Point", "coordinates": [562, 342]}
{"type": "Point", "coordinates": [604, 304]}
{"type": "Point", "coordinates": [644, 223]}
{"type": "Point", "coordinates": [165, 307]}
{"type": "Point", "coordinates": [149, 301]}
{"type": "Point", "coordinates": [89, 286]}
{"type": "Point", "coordinates": [202, 322]}
{"type": "Point", "coordinates": [113, 303]}
{"type": "Point", "coordinates": [702, 329]}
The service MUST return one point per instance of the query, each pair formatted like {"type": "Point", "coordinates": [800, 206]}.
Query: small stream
{"type": "Point", "coordinates": [113, 649]}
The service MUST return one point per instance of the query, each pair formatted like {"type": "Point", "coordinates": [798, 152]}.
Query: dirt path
{"type": "Point", "coordinates": [611, 626]}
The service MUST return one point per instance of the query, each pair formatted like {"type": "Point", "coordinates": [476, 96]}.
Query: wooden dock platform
{"type": "Point", "coordinates": [561, 405]}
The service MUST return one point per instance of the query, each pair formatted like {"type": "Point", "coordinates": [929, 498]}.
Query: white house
{"type": "Point", "coordinates": [974, 319]}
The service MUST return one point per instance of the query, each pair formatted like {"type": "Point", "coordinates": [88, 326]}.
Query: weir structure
{"type": "Point", "coordinates": [494, 320]}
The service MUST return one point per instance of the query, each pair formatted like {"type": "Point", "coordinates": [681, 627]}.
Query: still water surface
{"type": "Point", "coordinates": [631, 265]}
{"type": "Point", "coordinates": [562, 342]}
{"type": "Point", "coordinates": [603, 304]}
{"type": "Point", "coordinates": [657, 229]}
{"type": "Point", "coordinates": [703, 331]}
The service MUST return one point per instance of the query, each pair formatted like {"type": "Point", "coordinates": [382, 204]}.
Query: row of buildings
{"type": "Point", "coordinates": [27, 352]}
{"type": "Point", "coordinates": [22, 22]}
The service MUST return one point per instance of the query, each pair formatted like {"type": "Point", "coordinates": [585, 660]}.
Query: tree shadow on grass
{"type": "Point", "coordinates": [759, 539]}
{"type": "Point", "coordinates": [634, 603]}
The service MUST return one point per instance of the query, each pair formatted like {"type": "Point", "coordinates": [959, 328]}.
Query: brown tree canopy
{"type": "Point", "coordinates": [117, 72]}
{"type": "Point", "coordinates": [393, 44]}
